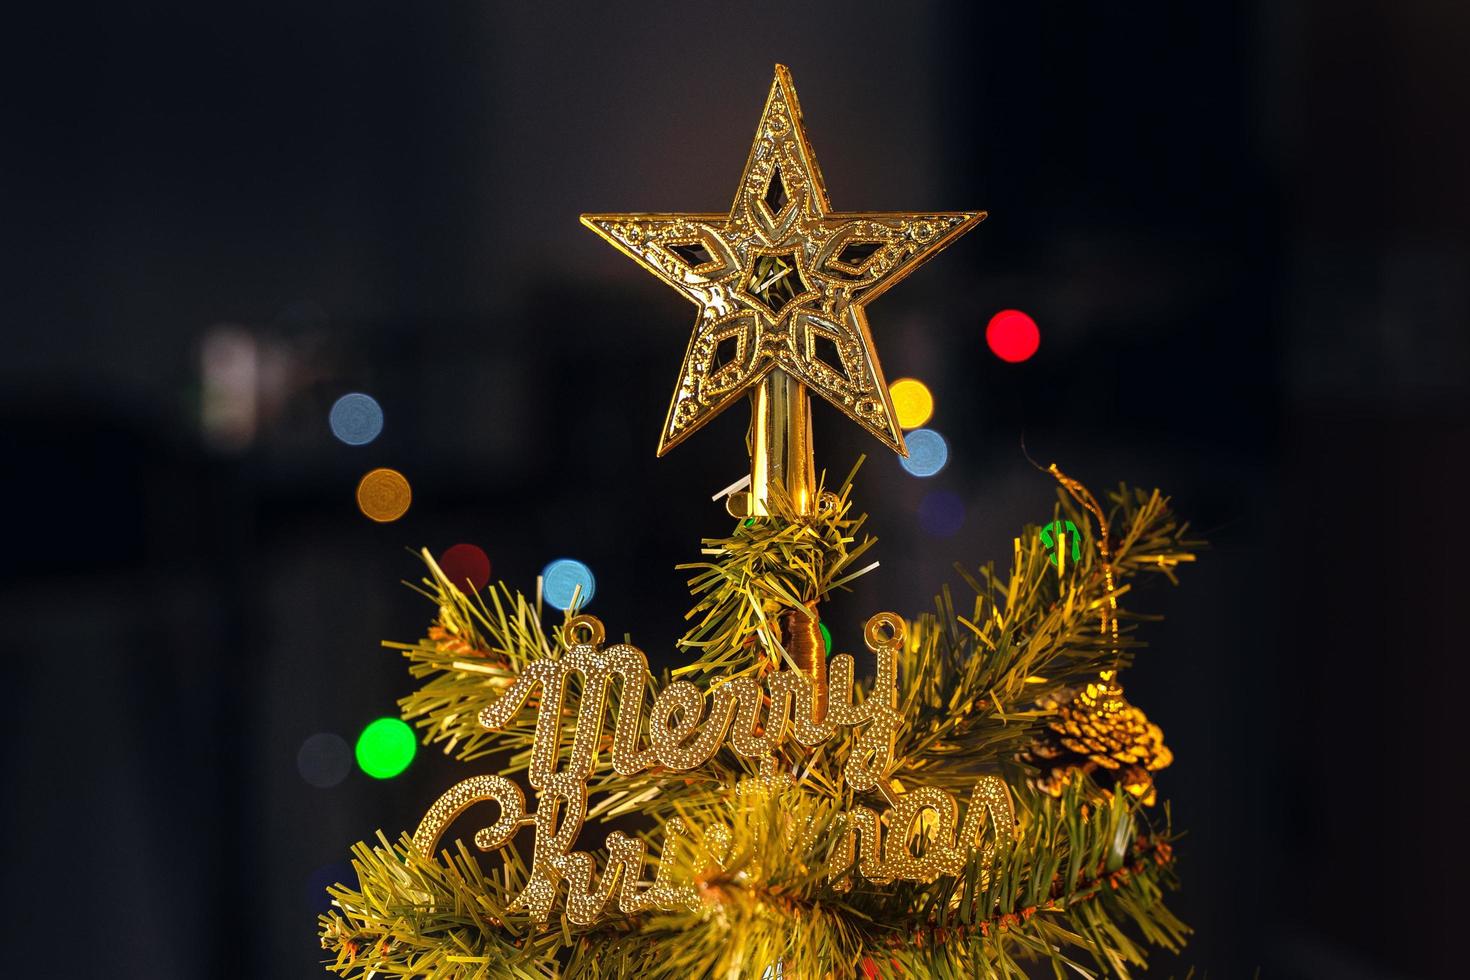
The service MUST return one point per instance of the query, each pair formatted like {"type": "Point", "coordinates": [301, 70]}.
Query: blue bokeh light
{"type": "Point", "coordinates": [928, 452]}
{"type": "Point", "coordinates": [941, 513]}
{"type": "Point", "coordinates": [356, 419]}
{"type": "Point", "coordinates": [562, 579]}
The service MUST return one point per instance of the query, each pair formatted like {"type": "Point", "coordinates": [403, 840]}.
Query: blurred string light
{"type": "Point", "coordinates": [246, 381]}
{"type": "Point", "coordinates": [229, 373]}
{"type": "Point", "coordinates": [384, 495]}
{"type": "Point", "coordinates": [324, 760]}
{"type": "Point", "coordinates": [941, 513]}
{"type": "Point", "coordinates": [385, 748]}
{"type": "Point", "coordinates": [356, 419]}
{"type": "Point", "coordinates": [912, 401]}
{"type": "Point", "coordinates": [466, 564]}
{"type": "Point", "coordinates": [1012, 335]}
{"type": "Point", "coordinates": [565, 579]}
{"type": "Point", "coordinates": [1055, 535]}
{"type": "Point", "coordinates": [928, 452]}
{"type": "Point", "coordinates": [773, 972]}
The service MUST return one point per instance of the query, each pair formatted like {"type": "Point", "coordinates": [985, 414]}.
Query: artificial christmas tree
{"type": "Point", "coordinates": [985, 800]}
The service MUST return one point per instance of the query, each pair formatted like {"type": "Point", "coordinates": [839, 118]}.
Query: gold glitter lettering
{"type": "Point", "coordinates": [919, 842]}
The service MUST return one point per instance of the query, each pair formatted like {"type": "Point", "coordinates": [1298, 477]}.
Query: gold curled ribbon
{"type": "Point", "coordinates": [802, 631]}
{"type": "Point", "coordinates": [1084, 497]}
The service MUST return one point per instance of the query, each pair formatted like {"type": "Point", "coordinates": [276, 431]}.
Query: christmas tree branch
{"type": "Point", "coordinates": [415, 916]}
{"type": "Point", "coordinates": [766, 565]}
{"type": "Point", "coordinates": [1028, 636]}
{"type": "Point", "coordinates": [476, 648]}
{"type": "Point", "coordinates": [976, 679]}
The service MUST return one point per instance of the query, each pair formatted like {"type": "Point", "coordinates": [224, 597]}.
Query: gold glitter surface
{"type": "Point", "coordinates": [914, 840]}
{"type": "Point", "coordinates": [461, 796]}
{"type": "Point", "coordinates": [873, 752]}
{"type": "Point", "coordinates": [925, 815]}
{"type": "Point", "coordinates": [680, 741]}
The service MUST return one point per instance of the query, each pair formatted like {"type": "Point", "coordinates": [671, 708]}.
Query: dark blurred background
{"type": "Point", "coordinates": [1242, 228]}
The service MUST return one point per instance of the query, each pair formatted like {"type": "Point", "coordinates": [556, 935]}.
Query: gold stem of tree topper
{"type": "Point", "coordinates": [781, 445]}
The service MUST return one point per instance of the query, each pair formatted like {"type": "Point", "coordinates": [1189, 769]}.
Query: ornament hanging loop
{"type": "Point", "coordinates": [884, 629]}
{"type": "Point", "coordinates": [583, 630]}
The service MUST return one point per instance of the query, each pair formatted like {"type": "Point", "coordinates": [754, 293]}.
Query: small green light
{"type": "Point", "coordinates": [385, 748]}
{"type": "Point", "coordinates": [1049, 542]}
{"type": "Point", "coordinates": [826, 637]}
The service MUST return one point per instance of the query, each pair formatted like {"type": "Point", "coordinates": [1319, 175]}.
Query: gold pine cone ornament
{"type": "Point", "coordinates": [1097, 732]}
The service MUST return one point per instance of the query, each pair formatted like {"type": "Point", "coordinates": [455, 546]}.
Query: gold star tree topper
{"type": "Point", "coordinates": [781, 282]}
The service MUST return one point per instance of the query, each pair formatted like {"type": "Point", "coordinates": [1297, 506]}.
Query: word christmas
{"type": "Point", "coordinates": [678, 739]}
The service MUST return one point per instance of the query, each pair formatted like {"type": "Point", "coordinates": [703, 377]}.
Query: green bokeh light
{"type": "Point", "coordinates": [826, 638]}
{"type": "Point", "coordinates": [385, 748]}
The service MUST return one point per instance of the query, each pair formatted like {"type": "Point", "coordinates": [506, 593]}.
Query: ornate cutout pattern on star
{"type": "Point", "coordinates": [782, 280]}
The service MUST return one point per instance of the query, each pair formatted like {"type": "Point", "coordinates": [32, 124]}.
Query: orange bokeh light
{"type": "Point", "coordinates": [384, 495]}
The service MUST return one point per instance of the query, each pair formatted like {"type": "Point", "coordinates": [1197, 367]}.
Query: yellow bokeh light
{"type": "Point", "coordinates": [384, 495]}
{"type": "Point", "coordinates": [912, 401]}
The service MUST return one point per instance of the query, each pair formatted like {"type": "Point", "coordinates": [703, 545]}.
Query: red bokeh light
{"type": "Point", "coordinates": [1012, 335]}
{"type": "Point", "coordinates": [466, 562]}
